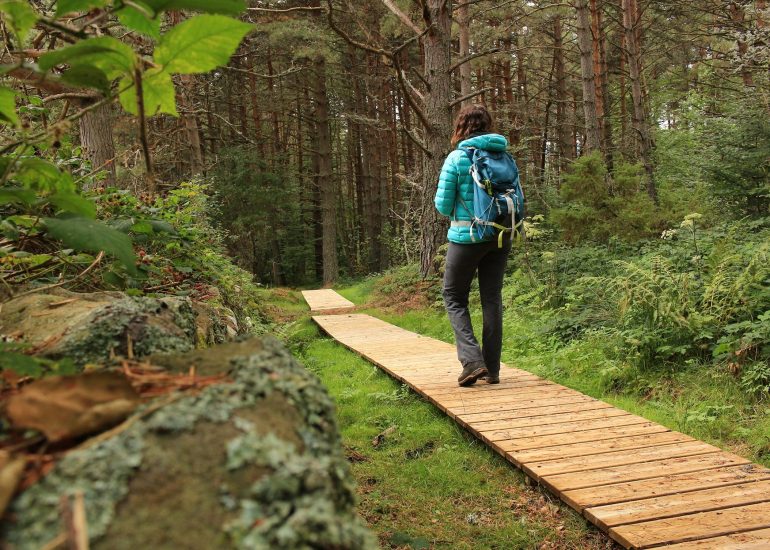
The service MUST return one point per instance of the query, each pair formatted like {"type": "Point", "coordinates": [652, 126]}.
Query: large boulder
{"type": "Point", "coordinates": [89, 327]}
{"type": "Point", "coordinates": [252, 462]}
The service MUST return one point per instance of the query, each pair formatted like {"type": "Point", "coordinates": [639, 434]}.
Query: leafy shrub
{"type": "Point", "coordinates": [597, 205]}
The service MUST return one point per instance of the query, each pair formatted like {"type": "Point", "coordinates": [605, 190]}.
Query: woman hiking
{"type": "Point", "coordinates": [468, 255]}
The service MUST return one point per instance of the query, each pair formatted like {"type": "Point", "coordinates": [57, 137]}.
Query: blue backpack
{"type": "Point", "coordinates": [497, 196]}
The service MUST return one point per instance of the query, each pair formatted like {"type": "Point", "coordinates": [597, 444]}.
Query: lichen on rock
{"type": "Point", "coordinates": [89, 327]}
{"type": "Point", "coordinates": [255, 462]}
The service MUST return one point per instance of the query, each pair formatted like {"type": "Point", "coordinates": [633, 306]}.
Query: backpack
{"type": "Point", "coordinates": [497, 196]}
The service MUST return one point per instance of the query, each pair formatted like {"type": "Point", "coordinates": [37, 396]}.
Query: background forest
{"type": "Point", "coordinates": [640, 127]}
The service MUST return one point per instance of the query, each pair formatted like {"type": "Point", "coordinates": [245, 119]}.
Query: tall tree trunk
{"type": "Point", "coordinates": [464, 24]}
{"type": "Point", "coordinates": [437, 15]}
{"type": "Point", "coordinates": [326, 188]}
{"type": "Point", "coordinates": [641, 127]}
{"type": "Point", "coordinates": [564, 147]}
{"type": "Point", "coordinates": [190, 124]}
{"type": "Point", "coordinates": [97, 142]}
{"type": "Point", "coordinates": [585, 43]}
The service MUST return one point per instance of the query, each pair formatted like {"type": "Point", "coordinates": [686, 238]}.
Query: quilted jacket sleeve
{"type": "Point", "coordinates": [448, 183]}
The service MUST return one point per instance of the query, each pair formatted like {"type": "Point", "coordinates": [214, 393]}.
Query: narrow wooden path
{"type": "Point", "coordinates": [646, 486]}
{"type": "Point", "coordinates": [325, 299]}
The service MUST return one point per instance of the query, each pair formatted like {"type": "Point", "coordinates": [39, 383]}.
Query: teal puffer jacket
{"type": "Point", "coordinates": [455, 181]}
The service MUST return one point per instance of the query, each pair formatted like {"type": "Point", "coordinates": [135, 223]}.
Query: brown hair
{"type": "Point", "coordinates": [470, 120]}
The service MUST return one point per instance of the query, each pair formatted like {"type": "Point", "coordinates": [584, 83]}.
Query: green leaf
{"type": "Point", "coordinates": [108, 54]}
{"type": "Point", "coordinates": [200, 44]}
{"type": "Point", "coordinates": [142, 227]}
{"type": "Point", "coordinates": [8, 107]}
{"type": "Point", "coordinates": [157, 91]}
{"type": "Point", "coordinates": [16, 196]}
{"type": "Point", "coordinates": [69, 6]}
{"type": "Point", "coordinates": [139, 21]}
{"type": "Point", "coordinates": [159, 226]}
{"type": "Point", "coordinates": [74, 204]}
{"type": "Point", "coordinates": [42, 175]}
{"type": "Point", "coordinates": [230, 7]}
{"type": "Point", "coordinates": [93, 236]}
{"type": "Point", "coordinates": [20, 15]}
{"type": "Point", "coordinates": [87, 76]}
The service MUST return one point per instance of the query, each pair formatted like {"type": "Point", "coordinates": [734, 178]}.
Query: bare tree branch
{"type": "Point", "coordinates": [404, 18]}
{"type": "Point", "coordinates": [471, 57]}
{"type": "Point", "coordinates": [469, 96]}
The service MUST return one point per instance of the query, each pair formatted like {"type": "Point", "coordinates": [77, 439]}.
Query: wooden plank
{"type": "Point", "coordinates": [750, 540]}
{"type": "Point", "coordinates": [476, 412]}
{"type": "Point", "coordinates": [570, 415]}
{"type": "Point", "coordinates": [665, 485]}
{"type": "Point", "coordinates": [617, 458]}
{"type": "Point", "coordinates": [509, 395]}
{"type": "Point", "coordinates": [615, 428]}
{"type": "Point", "coordinates": [436, 388]}
{"type": "Point", "coordinates": [566, 406]}
{"type": "Point", "coordinates": [561, 482]}
{"type": "Point", "coordinates": [320, 300]}
{"type": "Point", "coordinates": [694, 526]}
{"type": "Point", "coordinates": [539, 449]}
{"type": "Point", "coordinates": [572, 426]}
{"type": "Point", "coordinates": [669, 506]}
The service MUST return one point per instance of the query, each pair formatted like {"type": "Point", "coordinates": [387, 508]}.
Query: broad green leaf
{"type": "Point", "coordinates": [74, 204]}
{"type": "Point", "coordinates": [157, 91]}
{"type": "Point", "coordinates": [136, 20]}
{"type": "Point", "coordinates": [159, 226]}
{"type": "Point", "coordinates": [69, 6]}
{"type": "Point", "coordinates": [122, 224]}
{"type": "Point", "coordinates": [200, 44]}
{"type": "Point", "coordinates": [93, 236]}
{"type": "Point", "coordinates": [8, 107]}
{"type": "Point", "coordinates": [142, 226]}
{"type": "Point", "coordinates": [40, 174]}
{"type": "Point", "coordinates": [230, 7]}
{"type": "Point", "coordinates": [19, 15]}
{"type": "Point", "coordinates": [108, 54]}
{"type": "Point", "coordinates": [16, 195]}
{"type": "Point", "coordinates": [87, 76]}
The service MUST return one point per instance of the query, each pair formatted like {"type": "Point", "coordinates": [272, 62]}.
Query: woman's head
{"type": "Point", "coordinates": [472, 119]}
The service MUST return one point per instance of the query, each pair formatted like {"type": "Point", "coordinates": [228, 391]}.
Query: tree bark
{"type": "Point", "coordinates": [564, 135]}
{"type": "Point", "coordinates": [97, 141]}
{"type": "Point", "coordinates": [585, 43]}
{"type": "Point", "coordinates": [640, 125]}
{"type": "Point", "coordinates": [326, 184]}
{"type": "Point", "coordinates": [190, 124]}
{"type": "Point", "coordinates": [464, 24]}
{"type": "Point", "coordinates": [437, 15]}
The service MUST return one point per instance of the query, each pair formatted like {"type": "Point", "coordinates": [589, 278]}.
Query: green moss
{"type": "Point", "coordinates": [257, 460]}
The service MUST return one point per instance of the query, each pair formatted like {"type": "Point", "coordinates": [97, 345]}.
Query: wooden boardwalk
{"type": "Point", "coordinates": [325, 299]}
{"type": "Point", "coordinates": [644, 485]}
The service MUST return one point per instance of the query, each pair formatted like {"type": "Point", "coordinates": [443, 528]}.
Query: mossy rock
{"type": "Point", "coordinates": [254, 462]}
{"type": "Point", "coordinates": [89, 327]}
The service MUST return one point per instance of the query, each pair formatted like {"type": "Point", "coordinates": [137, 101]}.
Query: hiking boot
{"type": "Point", "coordinates": [493, 378]}
{"type": "Point", "coordinates": [471, 373]}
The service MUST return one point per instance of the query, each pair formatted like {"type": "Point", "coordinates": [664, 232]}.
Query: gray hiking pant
{"type": "Point", "coordinates": [462, 263]}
